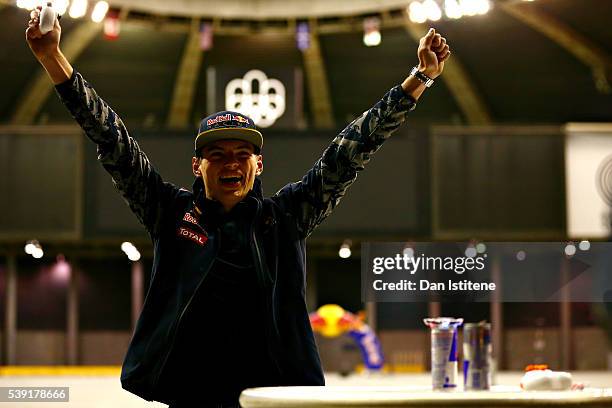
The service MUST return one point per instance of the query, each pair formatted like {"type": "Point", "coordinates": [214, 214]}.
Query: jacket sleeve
{"type": "Point", "coordinates": [138, 182]}
{"type": "Point", "coordinates": [313, 198]}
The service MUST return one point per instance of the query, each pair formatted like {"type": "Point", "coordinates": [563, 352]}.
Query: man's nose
{"type": "Point", "coordinates": [231, 162]}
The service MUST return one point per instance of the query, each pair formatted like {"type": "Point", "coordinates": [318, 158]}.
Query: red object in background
{"type": "Point", "coordinates": [206, 36]}
{"type": "Point", "coordinates": [371, 24]}
{"type": "Point", "coordinates": [346, 321]}
{"type": "Point", "coordinates": [536, 367]}
{"type": "Point", "coordinates": [316, 321]}
{"type": "Point", "coordinates": [112, 27]}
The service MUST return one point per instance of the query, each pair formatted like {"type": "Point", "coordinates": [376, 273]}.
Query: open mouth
{"type": "Point", "coordinates": [231, 181]}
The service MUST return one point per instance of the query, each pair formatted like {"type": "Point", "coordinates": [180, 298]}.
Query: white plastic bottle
{"type": "Point", "coordinates": [47, 19]}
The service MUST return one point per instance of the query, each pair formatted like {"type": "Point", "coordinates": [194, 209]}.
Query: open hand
{"type": "Point", "coordinates": [433, 52]}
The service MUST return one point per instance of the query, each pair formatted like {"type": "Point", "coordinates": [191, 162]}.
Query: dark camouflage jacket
{"type": "Point", "coordinates": [184, 249]}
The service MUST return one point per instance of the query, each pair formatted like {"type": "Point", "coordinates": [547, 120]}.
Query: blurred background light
{"type": "Point", "coordinates": [78, 8]}
{"type": "Point", "coordinates": [470, 251]}
{"type": "Point", "coordinates": [408, 251]}
{"type": "Point", "coordinates": [452, 9]}
{"type": "Point", "coordinates": [61, 6]}
{"type": "Point", "coordinates": [99, 12]}
{"type": "Point", "coordinates": [345, 249]}
{"type": "Point", "coordinates": [431, 10]}
{"type": "Point", "coordinates": [130, 251]}
{"type": "Point", "coordinates": [371, 32]}
{"type": "Point", "coordinates": [302, 36]}
{"type": "Point", "coordinates": [417, 12]}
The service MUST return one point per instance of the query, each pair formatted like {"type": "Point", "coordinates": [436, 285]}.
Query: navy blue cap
{"type": "Point", "coordinates": [227, 125]}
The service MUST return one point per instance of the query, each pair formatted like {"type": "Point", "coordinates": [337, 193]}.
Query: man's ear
{"type": "Point", "coordinates": [259, 169]}
{"type": "Point", "coordinates": [195, 166]}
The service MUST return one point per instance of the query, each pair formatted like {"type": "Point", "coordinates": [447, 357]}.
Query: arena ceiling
{"type": "Point", "coordinates": [544, 61]}
{"type": "Point", "coordinates": [260, 9]}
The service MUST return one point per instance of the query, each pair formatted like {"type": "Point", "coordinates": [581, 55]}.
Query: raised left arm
{"type": "Point", "coordinates": [313, 198]}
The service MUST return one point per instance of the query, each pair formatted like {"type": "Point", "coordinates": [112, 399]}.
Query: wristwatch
{"type": "Point", "coordinates": [421, 77]}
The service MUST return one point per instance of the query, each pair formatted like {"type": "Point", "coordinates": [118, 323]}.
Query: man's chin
{"type": "Point", "coordinates": [233, 193]}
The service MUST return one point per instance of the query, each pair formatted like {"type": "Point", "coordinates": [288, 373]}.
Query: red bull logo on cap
{"type": "Point", "coordinates": [226, 118]}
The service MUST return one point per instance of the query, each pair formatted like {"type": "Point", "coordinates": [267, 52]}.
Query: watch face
{"type": "Point", "coordinates": [421, 77]}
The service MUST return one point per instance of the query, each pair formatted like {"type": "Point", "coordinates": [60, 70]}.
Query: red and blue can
{"type": "Point", "coordinates": [443, 351]}
{"type": "Point", "coordinates": [477, 356]}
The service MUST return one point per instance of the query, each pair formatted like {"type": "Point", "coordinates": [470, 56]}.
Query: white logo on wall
{"type": "Point", "coordinates": [264, 103]}
{"type": "Point", "coordinates": [604, 179]}
{"type": "Point", "coordinates": [588, 177]}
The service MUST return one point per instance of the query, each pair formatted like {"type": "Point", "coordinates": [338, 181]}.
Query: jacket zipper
{"type": "Point", "coordinates": [260, 271]}
{"type": "Point", "coordinates": [178, 321]}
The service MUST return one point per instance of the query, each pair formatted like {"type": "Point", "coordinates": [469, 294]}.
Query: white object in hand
{"type": "Point", "coordinates": [546, 380]}
{"type": "Point", "coordinates": [47, 19]}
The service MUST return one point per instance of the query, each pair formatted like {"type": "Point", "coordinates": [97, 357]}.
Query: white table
{"type": "Point", "coordinates": [418, 396]}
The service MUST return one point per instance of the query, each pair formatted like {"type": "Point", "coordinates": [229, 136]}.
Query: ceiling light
{"type": "Point", "coordinates": [99, 11]}
{"type": "Point", "coordinates": [345, 249]}
{"type": "Point", "coordinates": [432, 10]}
{"type": "Point", "coordinates": [452, 9]}
{"type": "Point", "coordinates": [78, 8]}
{"type": "Point", "coordinates": [417, 13]}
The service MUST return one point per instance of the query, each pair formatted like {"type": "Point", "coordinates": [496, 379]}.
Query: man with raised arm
{"type": "Point", "coordinates": [226, 309]}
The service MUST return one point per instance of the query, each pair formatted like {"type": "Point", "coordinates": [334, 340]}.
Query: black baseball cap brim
{"type": "Point", "coordinates": [249, 135]}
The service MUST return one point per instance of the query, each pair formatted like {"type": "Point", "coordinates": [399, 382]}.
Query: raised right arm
{"type": "Point", "coordinates": [46, 49]}
{"type": "Point", "coordinates": [133, 175]}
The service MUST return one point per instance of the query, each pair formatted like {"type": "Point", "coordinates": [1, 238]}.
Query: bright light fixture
{"type": "Point", "coordinates": [452, 9]}
{"type": "Point", "coordinates": [99, 11]}
{"type": "Point", "coordinates": [78, 8]}
{"type": "Point", "coordinates": [432, 10]}
{"type": "Point", "coordinates": [33, 248]}
{"type": "Point", "coordinates": [29, 248]}
{"type": "Point", "coordinates": [134, 255]}
{"type": "Point", "coordinates": [126, 246]}
{"type": "Point", "coordinates": [345, 249]}
{"type": "Point", "coordinates": [483, 7]}
{"type": "Point", "coordinates": [469, 7]}
{"type": "Point", "coordinates": [26, 4]}
{"type": "Point", "coordinates": [60, 6]}
{"type": "Point", "coordinates": [130, 250]}
{"type": "Point", "coordinates": [372, 39]}
{"type": "Point", "coordinates": [37, 253]}
{"type": "Point", "coordinates": [417, 12]}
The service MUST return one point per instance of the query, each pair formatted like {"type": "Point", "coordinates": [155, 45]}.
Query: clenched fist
{"type": "Point", "coordinates": [433, 51]}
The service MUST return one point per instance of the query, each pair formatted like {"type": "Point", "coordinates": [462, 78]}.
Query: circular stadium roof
{"type": "Point", "coordinates": [260, 9]}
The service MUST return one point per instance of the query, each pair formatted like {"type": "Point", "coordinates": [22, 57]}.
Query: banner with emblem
{"type": "Point", "coordinates": [272, 97]}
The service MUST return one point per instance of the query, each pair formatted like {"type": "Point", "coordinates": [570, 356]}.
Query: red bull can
{"type": "Point", "coordinates": [477, 356]}
{"type": "Point", "coordinates": [443, 351]}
